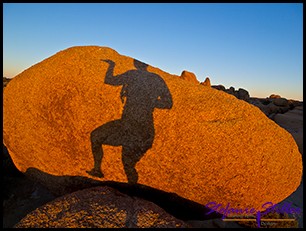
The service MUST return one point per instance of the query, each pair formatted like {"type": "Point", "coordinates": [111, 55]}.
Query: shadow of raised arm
{"type": "Point", "coordinates": [109, 77]}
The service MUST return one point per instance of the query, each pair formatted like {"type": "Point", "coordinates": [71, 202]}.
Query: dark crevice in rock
{"type": "Point", "coordinates": [173, 204]}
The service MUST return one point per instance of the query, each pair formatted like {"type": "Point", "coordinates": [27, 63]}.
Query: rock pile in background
{"type": "Point", "coordinates": [274, 96]}
{"type": "Point", "coordinates": [270, 106]}
{"type": "Point", "coordinates": [239, 94]}
{"type": "Point", "coordinates": [273, 106]}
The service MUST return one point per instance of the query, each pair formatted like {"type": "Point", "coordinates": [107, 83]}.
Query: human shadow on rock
{"type": "Point", "coordinates": [177, 206]}
{"type": "Point", "coordinates": [142, 91]}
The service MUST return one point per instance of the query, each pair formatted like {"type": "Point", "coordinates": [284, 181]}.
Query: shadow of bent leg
{"type": "Point", "coordinates": [129, 159]}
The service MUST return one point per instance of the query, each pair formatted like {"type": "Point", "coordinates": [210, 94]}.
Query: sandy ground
{"type": "Point", "coordinates": [292, 121]}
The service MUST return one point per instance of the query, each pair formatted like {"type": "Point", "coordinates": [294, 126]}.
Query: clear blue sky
{"type": "Point", "coordinates": [258, 47]}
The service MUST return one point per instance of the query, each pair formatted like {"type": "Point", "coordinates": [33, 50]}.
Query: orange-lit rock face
{"type": "Point", "coordinates": [189, 76]}
{"type": "Point", "coordinates": [205, 146]}
{"type": "Point", "coordinates": [206, 82]}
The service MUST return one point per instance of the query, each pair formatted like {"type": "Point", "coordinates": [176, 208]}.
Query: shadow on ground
{"type": "Point", "coordinates": [175, 205]}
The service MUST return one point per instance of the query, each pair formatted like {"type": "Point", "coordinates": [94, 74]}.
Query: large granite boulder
{"type": "Point", "coordinates": [155, 129]}
{"type": "Point", "coordinates": [99, 207]}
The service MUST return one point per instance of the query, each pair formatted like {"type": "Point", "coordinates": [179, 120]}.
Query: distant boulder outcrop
{"type": "Point", "coordinates": [282, 102]}
{"type": "Point", "coordinates": [239, 94]}
{"type": "Point", "coordinates": [274, 96]}
{"type": "Point", "coordinates": [155, 130]}
{"type": "Point", "coordinates": [5, 81]}
{"type": "Point", "coordinates": [243, 94]}
{"type": "Point", "coordinates": [270, 106]}
{"type": "Point", "coordinates": [294, 103]}
{"type": "Point", "coordinates": [267, 107]}
{"type": "Point", "coordinates": [219, 87]}
{"type": "Point", "coordinates": [273, 106]}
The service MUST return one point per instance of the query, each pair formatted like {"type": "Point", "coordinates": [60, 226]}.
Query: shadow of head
{"type": "Point", "coordinates": [140, 65]}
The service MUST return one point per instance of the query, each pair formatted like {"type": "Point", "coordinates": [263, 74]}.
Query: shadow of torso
{"type": "Point", "coordinates": [141, 92]}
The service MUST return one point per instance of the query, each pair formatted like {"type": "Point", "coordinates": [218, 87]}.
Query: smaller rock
{"type": "Point", "coordinates": [240, 94]}
{"type": "Point", "coordinates": [189, 76]}
{"type": "Point", "coordinates": [282, 102]}
{"type": "Point", "coordinates": [272, 108]}
{"type": "Point", "coordinates": [5, 81]}
{"type": "Point", "coordinates": [274, 96]}
{"type": "Point", "coordinates": [265, 101]}
{"type": "Point", "coordinates": [268, 110]}
{"type": "Point", "coordinates": [284, 109]}
{"type": "Point", "coordinates": [219, 87]}
{"type": "Point", "coordinates": [99, 207]}
{"type": "Point", "coordinates": [231, 90]}
{"type": "Point", "coordinates": [206, 82]}
{"type": "Point", "coordinates": [294, 103]}
{"type": "Point", "coordinates": [256, 102]}
{"type": "Point", "coordinates": [21, 195]}
{"type": "Point", "coordinates": [243, 94]}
